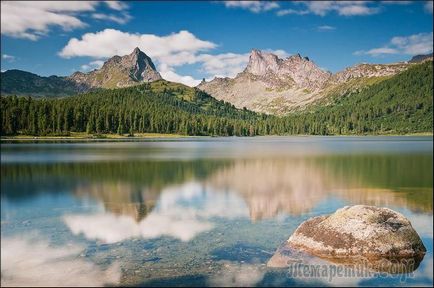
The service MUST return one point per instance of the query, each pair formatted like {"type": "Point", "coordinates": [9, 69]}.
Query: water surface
{"type": "Point", "coordinates": [196, 211]}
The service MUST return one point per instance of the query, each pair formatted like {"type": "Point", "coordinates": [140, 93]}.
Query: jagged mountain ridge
{"type": "Point", "coordinates": [276, 86]}
{"type": "Point", "coordinates": [303, 72]}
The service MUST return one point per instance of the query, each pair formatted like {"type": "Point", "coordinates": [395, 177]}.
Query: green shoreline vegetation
{"type": "Point", "coordinates": [399, 105]}
{"type": "Point", "coordinates": [84, 136]}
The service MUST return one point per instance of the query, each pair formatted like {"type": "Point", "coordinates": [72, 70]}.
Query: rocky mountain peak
{"type": "Point", "coordinates": [121, 71]}
{"type": "Point", "coordinates": [142, 67]}
{"type": "Point", "coordinates": [137, 51]}
{"type": "Point", "coordinates": [261, 62]}
{"type": "Point", "coordinates": [271, 68]}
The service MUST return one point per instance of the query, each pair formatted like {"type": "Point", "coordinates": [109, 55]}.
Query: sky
{"type": "Point", "coordinates": [192, 40]}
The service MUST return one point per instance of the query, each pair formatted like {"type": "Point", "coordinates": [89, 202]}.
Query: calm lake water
{"type": "Point", "coordinates": [197, 211]}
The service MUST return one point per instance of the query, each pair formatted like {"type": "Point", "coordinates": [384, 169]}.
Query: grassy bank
{"type": "Point", "coordinates": [84, 136]}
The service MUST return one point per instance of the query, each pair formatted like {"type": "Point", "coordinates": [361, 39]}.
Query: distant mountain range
{"type": "Point", "coordinates": [268, 84]}
{"type": "Point", "coordinates": [117, 72]}
{"type": "Point", "coordinates": [276, 86]}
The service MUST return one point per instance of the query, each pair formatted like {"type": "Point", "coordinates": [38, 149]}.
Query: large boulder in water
{"type": "Point", "coordinates": [354, 233]}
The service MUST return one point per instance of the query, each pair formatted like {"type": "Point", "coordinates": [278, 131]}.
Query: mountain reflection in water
{"type": "Point", "coordinates": [224, 208]}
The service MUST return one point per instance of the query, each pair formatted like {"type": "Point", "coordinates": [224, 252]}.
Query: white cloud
{"type": "Point", "coordinates": [111, 42]}
{"type": "Point", "coordinates": [33, 19]}
{"type": "Point", "coordinates": [253, 6]}
{"type": "Point", "coordinates": [421, 43]}
{"type": "Point", "coordinates": [223, 65]}
{"type": "Point", "coordinates": [8, 58]}
{"type": "Point", "coordinates": [92, 65]}
{"type": "Point", "coordinates": [110, 17]}
{"type": "Point", "coordinates": [428, 6]}
{"type": "Point", "coordinates": [351, 10]}
{"type": "Point", "coordinates": [169, 74]}
{"type": "Point", "coordinates": [326, 28]}
{"type": "Point", "coordinates": [26, 261]}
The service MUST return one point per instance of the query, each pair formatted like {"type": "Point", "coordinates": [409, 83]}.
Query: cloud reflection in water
{"type": "Point", "coordinates": [26, 262]}
{"type": "Point", "coordinates": [182, 212]}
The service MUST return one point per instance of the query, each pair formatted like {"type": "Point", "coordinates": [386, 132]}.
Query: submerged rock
{"type": "Point", "coordinates": [381, 237]}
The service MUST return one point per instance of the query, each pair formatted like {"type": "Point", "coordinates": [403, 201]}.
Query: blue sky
{"type": "Point", "coordinates": [189, 41]}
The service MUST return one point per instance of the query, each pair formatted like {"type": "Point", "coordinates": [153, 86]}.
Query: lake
{"type": "Point", "coordinates": [197, 211]}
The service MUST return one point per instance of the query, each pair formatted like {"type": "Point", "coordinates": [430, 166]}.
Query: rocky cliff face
{"type": "Point", "coordinates": [118, 71]}
{"type": "Point", "coordinates": [273, 85]}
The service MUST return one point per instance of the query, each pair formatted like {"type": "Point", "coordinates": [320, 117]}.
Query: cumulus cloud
{"type": "Point", "coordinates": [28, 261]}
{"type": "Point", "coordinates": [421, 43]}
{"type": "Point", "coordinates": [223, 65]}
{"type": "Point", "coordinates": [169, 73]}
{"type": "Point", "coordinates": [33, 19]}
{"type": "Point", "coordinates": [253, 6]}
{"type": "Point", "coordinates": [111, 42]}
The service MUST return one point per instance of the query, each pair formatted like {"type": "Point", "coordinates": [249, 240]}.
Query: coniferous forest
{"type": "Point", "coordinates": [399, 105]}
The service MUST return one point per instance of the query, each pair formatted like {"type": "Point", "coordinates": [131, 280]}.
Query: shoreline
{"type": "Point", "coordinates": [145, 136]}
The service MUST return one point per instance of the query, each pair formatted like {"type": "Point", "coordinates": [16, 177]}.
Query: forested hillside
{"type": "Point", "coordinates": [160, 107]}
{"type": "Point", "coordinates": [399, 105]}
{"type": "Point", "coordinates": [17, 82]}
